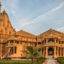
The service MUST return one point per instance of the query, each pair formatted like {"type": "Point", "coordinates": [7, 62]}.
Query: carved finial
{"type": "Point", "coordinates": [0, 6]}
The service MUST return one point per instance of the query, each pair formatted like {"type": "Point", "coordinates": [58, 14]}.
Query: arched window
{"type": "Point", "coordinates": [15, 49]}
{"type": "Point", "coordinates": [62, 42]}
{"type": "Point", "coordinates": [39, 42]}
{"type": "Point", "coordinates": [11, 51]}
{"type": "Point", "coordinates": [59, 51]}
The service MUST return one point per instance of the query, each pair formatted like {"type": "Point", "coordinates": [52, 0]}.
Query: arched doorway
{"type": "Point", "coordinates": [50, 52]}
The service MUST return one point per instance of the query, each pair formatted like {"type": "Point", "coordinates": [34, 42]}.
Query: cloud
{"type": "Point", "coordinates": [10, 6]}
{"type": "Point", "coordinates": [58, 7]}
{"type": "Point", "coordinates": [43, 16]}
{"type": "Point", "coordinates": [61, 29]}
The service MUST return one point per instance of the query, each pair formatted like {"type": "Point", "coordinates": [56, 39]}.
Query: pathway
{"type": "Point", "coordinates": [51, 61]}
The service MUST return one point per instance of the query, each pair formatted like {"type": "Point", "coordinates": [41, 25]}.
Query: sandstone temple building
{"type": "Point", "coordinates": [12, 43]}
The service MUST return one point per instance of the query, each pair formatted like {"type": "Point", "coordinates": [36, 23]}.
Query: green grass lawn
{"type": "Point", "coordinates": [40, 61]}
{"type": "Point", "coordinates": [61, 60]}
{"type": "Point", "coordinates": [14, 62]}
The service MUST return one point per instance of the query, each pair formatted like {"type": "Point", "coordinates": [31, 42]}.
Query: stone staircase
{"type": "Point", "coordinates": [51, 61]}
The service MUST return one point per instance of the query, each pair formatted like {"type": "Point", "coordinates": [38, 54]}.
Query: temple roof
{"type": "Point", "coordinates": [24, 33]}
{"type": "Point", "coordinates": [51, 32]}
{"type": "Point", "coordinates": [14, 38]}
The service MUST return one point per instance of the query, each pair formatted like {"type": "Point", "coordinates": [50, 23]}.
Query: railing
{"type": "Point", "coordinates": [50, 44]}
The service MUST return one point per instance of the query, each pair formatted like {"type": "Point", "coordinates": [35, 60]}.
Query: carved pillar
{"type": "Point", "coordinates": [43, 52]}
{"type": "Point", "coordinates": [8, 51]}
{"type": "Point", "coordinates": [57, 51]}
{"type": "Point", "coordinates": [23, 45]}
{"type": "Point", "coordinates": [14, 42]}
{"type": "Point", "coordinates": [63, 51]}
{"type": "Point", "coordinates": [46, 41]}
{"type": "Point", "coordinates": [13, 50]}
{"type": "Point", "coordinates": [54, 51]}
{"type": "Point", "coordinates": [60, 51]}
{"type": "Point", "coordinates": [46, 51]}
{"type": "Point", "coordinates": [9, 42]}
{"type": "Point", "coordinates": [55, 40]}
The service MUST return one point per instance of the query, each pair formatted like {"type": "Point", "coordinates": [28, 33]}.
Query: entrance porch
{"type": "Point", "coordinates": [49, 52]}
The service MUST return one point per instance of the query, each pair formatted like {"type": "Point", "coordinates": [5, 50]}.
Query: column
{"type": "Point", "coordinates": [57, 51]}
{"type": "Point", "coordinates": [14, 42]}
{"type": "Point", "coordinates": [60, 51]}
{"type": "Point", "coordinates": [63, 51]}
{"type": "Point", "coordinates": [13, 50]}
{"type": "Point", "coordinates": [55, 40]}
{"type": "Point", "coordinates": [46, 51]}
{"type": "Point", "coordinates": [54, 51]}
{"type": "Point", "coordinates": [8, 53]}
{"type": "Point", "coordinates": [23, 45]}
{"type": "Point", "coordinates": [46, 41]}
{"type": "Point", "coordinates": [9, 42]}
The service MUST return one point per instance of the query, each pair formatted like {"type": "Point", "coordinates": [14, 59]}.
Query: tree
{"type": "Point", "coordinates": [33, 52]}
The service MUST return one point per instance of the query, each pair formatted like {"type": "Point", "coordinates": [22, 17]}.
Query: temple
{"type": "Point", "coordinates": [12, 43]}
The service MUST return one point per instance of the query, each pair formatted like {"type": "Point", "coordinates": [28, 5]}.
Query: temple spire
{"type": "Point", "coordinates": [0, 6]}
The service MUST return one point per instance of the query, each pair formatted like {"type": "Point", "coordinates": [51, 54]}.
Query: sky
{"type": "Point", "coordinates": [35, 16]}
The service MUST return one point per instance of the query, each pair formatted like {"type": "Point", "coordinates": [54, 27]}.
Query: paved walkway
{"type": "Point", "coordinates": [51, 61]}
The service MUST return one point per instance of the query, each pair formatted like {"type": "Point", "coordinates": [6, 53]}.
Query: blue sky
{"type": "Point", "coordinates": [35, 16]}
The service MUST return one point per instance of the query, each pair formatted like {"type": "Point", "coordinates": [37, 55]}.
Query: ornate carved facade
{"type": "Point", "coordinates": [51, 43]}
{"type": "Point", "coordinates": [12, 43]}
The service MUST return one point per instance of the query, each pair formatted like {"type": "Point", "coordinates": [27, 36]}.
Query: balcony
{"type": "Point", "coordinates": [50, 44]}
{"type": "Point", "coordinates": [11, 45]}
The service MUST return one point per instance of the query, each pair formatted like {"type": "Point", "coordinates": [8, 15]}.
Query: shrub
{"type": "Point", "coordinates": [23, 57]}
{"type": "Point", "coordinates": [61, 60]}
{"type": "Point", "coordinates": [40, 60]}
